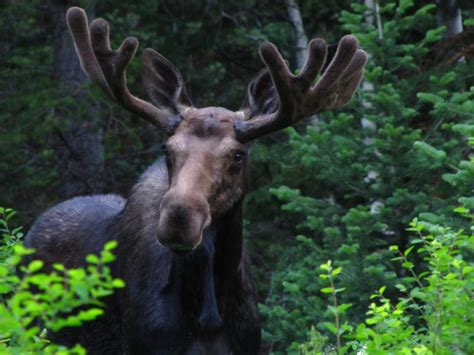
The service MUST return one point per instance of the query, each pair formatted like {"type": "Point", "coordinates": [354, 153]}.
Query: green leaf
{"type": "Point", "coordinates": [408, 250]}
{"type": "Point", "coordinates": [371, 321]}
{"type": "Point", "coordinates": [469, 22]}
{"type": "Point", "coordinates": [343, 307]}
{"type": "Point", "coordinates": [92, 259]}
{"type": "Point", "coordinates": [59, 267]}
{"type": "Point", "coordinates": [110, 245]}
{"type": "Point", "coordinates": [35, 265]}
{"type": "Point", "coordinates": [461, 210]}
{"type": "Point", "coordinates": [90, 314]}
{"type": "Point", "coordinates": [331, 327]}
{"type": "Point", "coordinates": [107, 257]}
{"type": "Point", "coordinates": [118, 283]}
{"type": "Point", "coordinates": [429, 151]}
{"type": "Point", "coordinates": [404, 5]}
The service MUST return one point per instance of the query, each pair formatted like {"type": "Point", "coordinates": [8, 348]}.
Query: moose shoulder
{"type": "Point", "coordinates": [180, 246]}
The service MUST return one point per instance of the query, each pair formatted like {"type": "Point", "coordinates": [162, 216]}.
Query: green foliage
{"type": "Point", "coordinates": [433, 310]}
{"type": "Point", "coordinates": [9, 237]}
{"type": "Point", "coordinates": [34, 299]}
{"type": "Point", "coordinates": [352, 181]}
{"type": "Point", "coordinates": [347, 186]}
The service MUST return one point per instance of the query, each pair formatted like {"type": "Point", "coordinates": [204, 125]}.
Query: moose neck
{"type": "Point", "coordinates": [196, 278]}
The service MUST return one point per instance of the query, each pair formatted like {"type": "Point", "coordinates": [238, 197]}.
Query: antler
{"type": "Point", "coordinates": [107, 67]}
{"type": "Point", "coordinates": [298, 96]}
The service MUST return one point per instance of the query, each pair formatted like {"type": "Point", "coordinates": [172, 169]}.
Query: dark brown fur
{"type": "Point", "coordinates": [200, 302]}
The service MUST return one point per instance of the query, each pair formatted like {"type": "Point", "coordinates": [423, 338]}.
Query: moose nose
{"type": "Point", "coordinates": [182, 221]}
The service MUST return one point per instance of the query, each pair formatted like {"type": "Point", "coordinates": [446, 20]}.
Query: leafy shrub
{"type": "Point", "coordinates": [353, 181]}
{"type": "Point", "coordinates": [434, 311]}
{"type": "Point", "coordinates": [36, 301]}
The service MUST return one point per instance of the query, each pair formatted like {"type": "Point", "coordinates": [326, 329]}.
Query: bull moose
{"type": "Point", "coordinates": [179, 232]}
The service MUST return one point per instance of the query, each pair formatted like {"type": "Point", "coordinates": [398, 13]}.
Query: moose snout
{"type": "Point", "coordinates": [182, 221]}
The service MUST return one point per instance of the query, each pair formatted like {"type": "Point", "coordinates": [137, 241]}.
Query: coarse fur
{"type": "Point", "coordinates": [198, 303]}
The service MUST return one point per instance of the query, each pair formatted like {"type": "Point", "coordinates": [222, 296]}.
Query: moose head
{"type": "Point", "coordinates": [207, 148]}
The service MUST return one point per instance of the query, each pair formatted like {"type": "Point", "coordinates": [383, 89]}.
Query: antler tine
{"type": "Point", "coordinates": [107, 67]}
{"type": "Point", "coordinates": [297, 95]}
{"type": "Point", "coordinates": [317, 49]}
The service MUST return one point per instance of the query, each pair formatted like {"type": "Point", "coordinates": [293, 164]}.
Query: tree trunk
{"type": "Point", "coordinates": [372, 15]}
{"type": "Point", "coordinates": [80, 147]}
{"type": "Point", "coordinates": [448, 14]}
{"type": "Point", "coordinates": [374, 11]}
{"type": "Point", "coordinates": [301, 40]}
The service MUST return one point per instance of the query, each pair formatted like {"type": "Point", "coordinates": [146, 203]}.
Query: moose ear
{"type": "Point", "coordinates": [261, 96]}
{"type": "Point", "coordinates": [163, 83]}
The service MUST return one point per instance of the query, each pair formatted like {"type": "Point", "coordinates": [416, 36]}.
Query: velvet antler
{"type": "Point", "coordinates": [298, 95]}
{"type": "Point", "coordinates": [107, 68]}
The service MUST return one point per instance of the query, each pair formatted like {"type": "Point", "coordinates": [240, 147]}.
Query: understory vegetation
{"type": "Point", "coordinates": [352, 192]}
{"type": "Point", "coordinates": [33, 302]}
{"type": "Point", "coordinates": [359, 221]}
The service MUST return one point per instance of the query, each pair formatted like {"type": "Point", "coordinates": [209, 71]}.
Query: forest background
{"type": "Point", "coordinates": [344, 185]}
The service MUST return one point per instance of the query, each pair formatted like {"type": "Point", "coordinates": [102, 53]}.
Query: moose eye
{"type": "Point", "coordinates": [164, 149]}
{"type": "Point", "coordinates": [239, 156]}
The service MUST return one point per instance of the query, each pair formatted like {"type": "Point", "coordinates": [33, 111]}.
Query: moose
{"type": "Point", "coordinates": [180, 247]}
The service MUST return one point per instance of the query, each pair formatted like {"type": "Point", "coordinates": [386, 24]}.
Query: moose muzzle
{"type": "Point", "coordinates": [183, 219]}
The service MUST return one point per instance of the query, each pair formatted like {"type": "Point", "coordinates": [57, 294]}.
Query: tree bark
{"type": "Point", "coordinates": [374, 11]}
{"type": "Point", "coordinates": [301, 40]}
{"type": "Point", "coordinates": [80, 147]}
{"type": "Point", "coordinates": [367, 85]}
{"type": "Point", "coordinates": [449, 14]}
